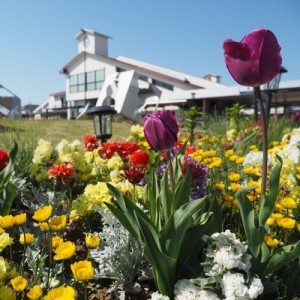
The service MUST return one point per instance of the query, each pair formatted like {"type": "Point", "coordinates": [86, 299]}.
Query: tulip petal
{"type": "Point", "coordinates": [255, 60]}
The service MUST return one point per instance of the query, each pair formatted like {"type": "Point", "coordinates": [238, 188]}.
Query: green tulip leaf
{"type": "Point", "coordinates": [268, 202]}
{"type": "Point", "coordinates": [281, 257]}
{"type": "Point", "coordinates": [172, 234]}
{"type": "Point", "coordinates": [166, 196]}
{"type": "Point", "coordinates": [248, 219]}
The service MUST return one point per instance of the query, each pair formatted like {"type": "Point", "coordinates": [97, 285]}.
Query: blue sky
{"type": "Point", "coordinates": [37, 37]}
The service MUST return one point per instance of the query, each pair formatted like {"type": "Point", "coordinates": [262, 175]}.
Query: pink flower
{"type": "Point", "coordinates": [255, 60]}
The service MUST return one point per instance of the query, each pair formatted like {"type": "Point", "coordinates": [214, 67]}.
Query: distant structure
{"type": "Point", "coordinates": [10, 104]}
{"type": "Point", "coordinates": [135, 88]}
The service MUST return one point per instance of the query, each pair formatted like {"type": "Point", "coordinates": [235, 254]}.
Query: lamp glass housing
{"type": "Point", "coordinates": [102, 117]}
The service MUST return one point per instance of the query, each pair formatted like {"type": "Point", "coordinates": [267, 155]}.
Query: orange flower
{"type": "Point", "coordinates": [65, 171]}
{"type": "Point", "coordinates": [139, 158]}
{"type": "Point", "coordinates": [90, 142]}
{"type": "Point", "coordinates": [108, 150]}
{"type": "Point", "coordinates": [127, 148]}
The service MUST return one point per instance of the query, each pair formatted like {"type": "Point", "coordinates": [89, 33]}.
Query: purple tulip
{"type": "Point", "coordinates": [254, 61]}
{"type": "Point", "coordinates": [161, 130]}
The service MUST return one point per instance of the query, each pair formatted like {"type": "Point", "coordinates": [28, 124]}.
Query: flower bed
{"type": "Point", "coordinates": [159, 216]}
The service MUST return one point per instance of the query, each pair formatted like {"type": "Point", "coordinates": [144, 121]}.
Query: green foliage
{"type": "Point", "coordinates": [191, 118]}
{"type": "Point", "coordinates": [168, 235]}
{"type": "Point", "coordinates": [264, 262]}
{"type": "Point", "coordinates": [8, 190]}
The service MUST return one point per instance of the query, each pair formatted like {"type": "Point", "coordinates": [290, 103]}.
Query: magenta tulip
{"type": "Point", "coordinates": [254, 61]}
{"type": "Point", "coordinates": [161, 130]}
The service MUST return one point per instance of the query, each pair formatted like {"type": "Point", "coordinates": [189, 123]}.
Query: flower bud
{"type": "Point", "coordinates": [161, 130]}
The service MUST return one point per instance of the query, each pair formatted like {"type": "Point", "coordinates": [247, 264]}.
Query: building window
{"type": "Point", "coordinates": [143, 77]}
{"type": "Point", "coordinates": [163, 84]}
{"type": "Point", "coordinates": [89, 81]}
{"type": "Point", "coordinates": [119, 70]}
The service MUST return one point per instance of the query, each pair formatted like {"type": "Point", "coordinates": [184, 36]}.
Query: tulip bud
{"type": "Point", "coordinates": [161, 129]}
{"type": "Point", "coordinates": [254, 61]}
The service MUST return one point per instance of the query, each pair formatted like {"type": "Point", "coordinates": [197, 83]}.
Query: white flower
{"type": "Point", "coordinates": [158, 296]}
{"type": "Point", "coordinates": [184, 289]}
{"type": "Point", "coordinates": [256, 158]}
{"type": "Point", "coordinates": [233, 284]}
{"type": "Point", "coordinates": [256, 288]}
{"type": "Point", "coordinates": [208, 295]}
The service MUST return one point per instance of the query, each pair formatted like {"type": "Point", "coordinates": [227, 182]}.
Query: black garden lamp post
{"type": "Point", "coordinates": [272, 87]}
{"type": "Point", "coordinates": [102, 116]}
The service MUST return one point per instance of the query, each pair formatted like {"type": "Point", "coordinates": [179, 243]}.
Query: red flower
{"type": "Point", "coordinates": [127, 148]}
{"type": "Point", "coordinates": [190, 149]}
{"type": "Point", "coordinates": [108, 150]}
{"type": "Point", "coordinates": [134, 174]}
{"type": "Point", "coordinates": [4, 159]}
{"type": "Point", "coordinates": [65, 171]}
{"type": "Point", "coordinates": [139, 158]}
{"type": "Point", "coordinates": [90, 142]}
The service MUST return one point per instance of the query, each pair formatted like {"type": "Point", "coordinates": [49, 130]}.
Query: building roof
{"type": "Point", "coordinates": [188, 81]}
{"type": "Point", "coordinates": [84, 30]}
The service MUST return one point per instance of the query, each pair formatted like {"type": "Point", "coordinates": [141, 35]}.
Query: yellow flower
{"type": "Point", "coordinates": [253, 148]}
{"type": "Point", "coordinates": [35, 293]}
{"type": "Point", "coordinates": [235, 186]}
{"type": "Point", "coordinates": [270, 221]}
{"type": "Point", "coordinates": [229, 153]}
{"type": "Point", "coordinates": [44, 226]}
{"type": "Point", "coordinates": [219, 186]}
{"type": "Point", "coordinates": [5, 240]}
{"type": "Point", "coordinates": [42, 214]}
{"type": "Point", "coordinates": [3, 268]}
{"type": "Point", "coordinates": [278, 207]}
{"type": "Point", "coordinates": [82, 270]}
{"type": "Point", "coordinates": [288, 203]}
{"type": "Point", "coordinates": [26, 239]}
{"type": "Point", "coordinates": [251, 196]}
{"type": "Point", "coordinates": [18, 284]}
{"type": "Point", "coordinates": [64, 251]}
{"type": "Point", "coordinates": [1, 230]}
{"type": "Point", "coordinates": [7, 293]}
{"type": "Point", "coordinates": [56, 241]}
{"type": "Point", "coordinates": [251, 171]}
{"type": "Point", "coordinates": [233, 157]}
{"type": "Point", "coordinates": [234, 176]}
{"type": "Point", "coordinates": [92, 241]}
{"type": "Point", "coordinates": [20, 219]}
{"type": "Point", "coordinates": [228, 198]}
{"type": "Point", "coordinates": [270, 241]}
{"type": "Point", "coordinates": [61, 293]}
{"type": "Point", "coordinates": [277, 217]}
{"type": "Point", "coordinates": [58, 223]}
{"type": "Point", "coordinates": [7, 221]}
{"type": "Point", "coordinates": [240, 160]}
{"type": "Point", "coordinates": [287, 223]}
{"type": "Point", "coordinates": [298, 227]}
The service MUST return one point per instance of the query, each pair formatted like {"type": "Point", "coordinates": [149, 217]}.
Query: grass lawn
{"type": "Point", "coordinates": [31, 131]}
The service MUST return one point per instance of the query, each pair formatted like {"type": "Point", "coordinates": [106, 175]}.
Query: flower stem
{"type": "Point", "coordinates": [258, 96]}
{"type": "Point", "coordinates": [172, 181]}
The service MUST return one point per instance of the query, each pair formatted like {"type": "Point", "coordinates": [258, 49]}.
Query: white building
{"type": "Point", "coordinates": [131, 86]}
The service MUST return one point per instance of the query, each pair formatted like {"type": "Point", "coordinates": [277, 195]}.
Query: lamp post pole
{"type": "Point", "coordinates": [272, 87]}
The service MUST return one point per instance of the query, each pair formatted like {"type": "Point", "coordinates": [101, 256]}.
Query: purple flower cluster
{"type": "Point", "coordinates": [199, 177]}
